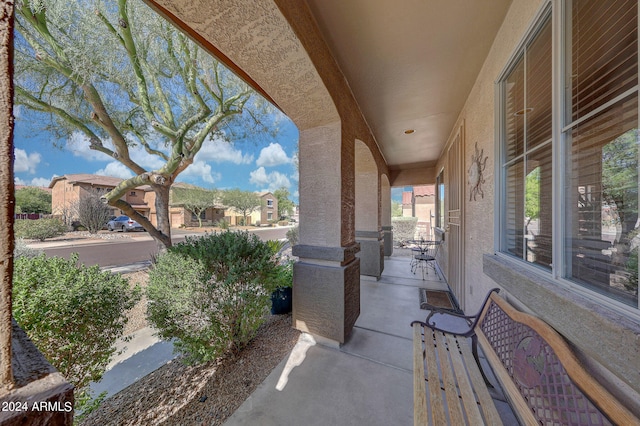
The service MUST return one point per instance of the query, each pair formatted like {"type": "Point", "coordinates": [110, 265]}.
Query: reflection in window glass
{"type": "Point", "coordinates": [603, 190]}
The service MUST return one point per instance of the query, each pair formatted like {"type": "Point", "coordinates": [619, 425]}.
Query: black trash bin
{"type": "Point", "coordinates": [281, 301]}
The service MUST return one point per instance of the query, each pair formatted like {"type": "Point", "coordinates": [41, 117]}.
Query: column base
{"type": "Point", "coordinates": [371, 253]}
{"type": "Point", "coordinates": [387, 237]}
{"type": "Point", "coordinates": [326, 294]}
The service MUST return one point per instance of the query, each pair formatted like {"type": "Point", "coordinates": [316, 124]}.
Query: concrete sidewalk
{"type": "Point", "coordinates": [368, 380]}
{"type": "Point", "coordinates": [130, 236]}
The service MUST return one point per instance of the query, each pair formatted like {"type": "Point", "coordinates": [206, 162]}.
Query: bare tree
{"type": "Point", "coordinates": [93, 213]}
{"type": "Point", "coordinates": [123, 77]}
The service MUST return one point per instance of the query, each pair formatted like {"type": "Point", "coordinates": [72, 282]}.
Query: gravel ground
{"type": "Point", "coordinates": [137, 315]}
{"type": "Point", "coordinates": [206, 394]}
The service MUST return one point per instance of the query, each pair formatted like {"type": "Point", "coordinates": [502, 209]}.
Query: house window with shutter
{"type": "Point", "coordinates": [580, 223]}
{"type": "Point", "coordinates": [527, 143]}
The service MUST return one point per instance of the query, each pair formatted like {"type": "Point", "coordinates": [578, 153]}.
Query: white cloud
{"type": "Point", "coordinates": [115, 169]}
{"type": "Point", "coordinates": [78, 145]}
{"type": "Point", "coordinates": [201, 170]}
{"type": "Point", "coordinates": [39, 181]}
{"type": "Point", "coordinates": [221, 151]}
{"type": "Point", "coordinates": [26, 162]}
{"type": "Point", "coordinates": [273, 155]}
{"type": "Point", "coordinates": [272, 181]}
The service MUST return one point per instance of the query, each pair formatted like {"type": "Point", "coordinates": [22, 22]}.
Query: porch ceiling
{"type": "Point", "coordinates": [409, 64]}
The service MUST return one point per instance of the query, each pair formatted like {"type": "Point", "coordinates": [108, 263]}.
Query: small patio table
{"type": "Point", "coordinates": [424, 254]}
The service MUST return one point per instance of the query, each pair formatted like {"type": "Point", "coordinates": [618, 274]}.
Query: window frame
{"type": "Point", "coordinates": [440, 200]}
{"type": "Point", "coordinates": [556, 11]}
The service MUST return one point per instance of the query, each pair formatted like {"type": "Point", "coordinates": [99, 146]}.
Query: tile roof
{"type": "Point", "coordinates": [93, 180]}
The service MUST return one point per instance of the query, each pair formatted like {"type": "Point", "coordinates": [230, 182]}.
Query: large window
{"type": "Point", "coordinates": [588, 232]}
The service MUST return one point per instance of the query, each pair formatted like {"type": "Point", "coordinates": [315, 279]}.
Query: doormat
{"type": "Point", "coordinates": [430, 299]}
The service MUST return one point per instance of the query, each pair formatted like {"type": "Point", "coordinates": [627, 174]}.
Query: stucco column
{"type": "Point", "coordinates": [326, 279]}
{"type": "Point", "coordinates": [368, 230]}
{"type": "Point", "coordinates": [385, 215]}
{"type": "Point", "coordinates": [6, 194]}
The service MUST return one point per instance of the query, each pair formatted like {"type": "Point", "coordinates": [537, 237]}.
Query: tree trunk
{"type": "Point", "coordinates": [7, 200]}
{"type": "Point", "coordinates": [163, 216]}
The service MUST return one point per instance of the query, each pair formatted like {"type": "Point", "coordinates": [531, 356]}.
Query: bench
{"type": "Point", "coordinates": [542, 379]}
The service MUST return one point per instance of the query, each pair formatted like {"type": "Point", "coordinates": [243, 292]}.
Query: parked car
{"type": "Point", "coordinates": [124, 223]}
{"type": "Point", "coordinates": [106, 224]}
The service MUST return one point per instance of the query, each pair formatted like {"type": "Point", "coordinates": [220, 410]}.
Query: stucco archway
{"type": "Point", "coordinates": [368, 212]}
{"type": "Point", "coordinates": [277, 47]}
{"type": "Point", "coordinates": [385, 214]}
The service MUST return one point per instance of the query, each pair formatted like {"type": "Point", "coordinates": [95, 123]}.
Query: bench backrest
{"type": "Point", "coordinates": [540, 374]}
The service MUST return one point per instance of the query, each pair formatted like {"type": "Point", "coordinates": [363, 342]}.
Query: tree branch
{"type": "Point", "coordinates": [141, 82]}
{"type": "Point", "coordinates": [146, 224]}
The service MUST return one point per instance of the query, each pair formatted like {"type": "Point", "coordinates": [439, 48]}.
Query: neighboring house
{"type": "Point", "coordinates": [419, 201]}
{"type": "Point", "coordinates": [68, 190]}
{"type": "Point", "coordinates": [181, 216]}
{"type": "Point", "coordinates": [268, 212]}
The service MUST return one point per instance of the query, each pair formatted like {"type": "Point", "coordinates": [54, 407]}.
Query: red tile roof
{"type": "Point", "coordinates": [424, 190]}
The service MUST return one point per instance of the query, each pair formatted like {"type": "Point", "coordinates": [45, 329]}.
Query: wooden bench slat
{"type": "Point", "coordinates": [433, 379]}
{"type": "Point", "coordinates": [456, 347]}
{"type": "Point", "coordinates": [491, 416]}
{"type": "Point", "coordinates": [420, 414]}
{"type": "Point", "coordinates": [453, 402]}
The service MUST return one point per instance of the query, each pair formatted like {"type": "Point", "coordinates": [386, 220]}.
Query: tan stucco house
{"type": "Point", "coordinates": [267, 213]}
{"type": "Point", "coordinates": [68, 190]}
{"type": "Point", "coordinates": [523, 113]}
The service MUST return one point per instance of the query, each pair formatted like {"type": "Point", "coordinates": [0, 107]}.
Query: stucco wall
{"type": "Point", "coordinates": [478, 120]}
{"type": "Point", "coordinates": [610, 360]}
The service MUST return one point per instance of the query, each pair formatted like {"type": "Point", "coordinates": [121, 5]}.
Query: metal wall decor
{"type": "Point", "coordinates": [475, 173]}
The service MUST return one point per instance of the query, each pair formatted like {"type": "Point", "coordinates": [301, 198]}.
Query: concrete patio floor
{"type": "Point", "coordinates": [366, 381]}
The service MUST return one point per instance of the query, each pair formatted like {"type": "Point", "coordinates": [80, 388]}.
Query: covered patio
{"type": "Point", "coordinates": [387, 95]}
{"type": "Point", "coordinates": [366, 381]}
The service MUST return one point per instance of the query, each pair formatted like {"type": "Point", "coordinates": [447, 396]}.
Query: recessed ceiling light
{"type": "Point", "coordinates": [409, 131]}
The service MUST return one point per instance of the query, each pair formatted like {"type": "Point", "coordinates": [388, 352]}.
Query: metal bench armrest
{"type": "Point", "coordinates": [471, 320]}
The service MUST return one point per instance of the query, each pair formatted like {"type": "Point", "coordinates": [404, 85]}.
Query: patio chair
{"type": "Point", "coordinates": [424, 257]}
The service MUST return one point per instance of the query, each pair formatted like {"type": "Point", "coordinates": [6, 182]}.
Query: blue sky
{"type": "Point", "coordinates": [252, 165]}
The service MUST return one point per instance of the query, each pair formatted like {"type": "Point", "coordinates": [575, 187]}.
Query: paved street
{"type": "Point", "coordinates": [139, 248]}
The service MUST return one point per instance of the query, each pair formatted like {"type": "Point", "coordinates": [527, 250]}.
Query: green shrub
{"type": "Point", "coordinates": [404, 228]}
{"type": "Point", "coordinates": [222, 224]}
{"type": "Point", "coordinates": [283, 276]}
{"type": "Point", "coordinates": [39, 229]}
{"type": "Point", "coordinates": [211, 293]}
{"type": "Point", "coordinates": [73, 314]}
{"type": "Point", "coordinates": [293, 235]}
